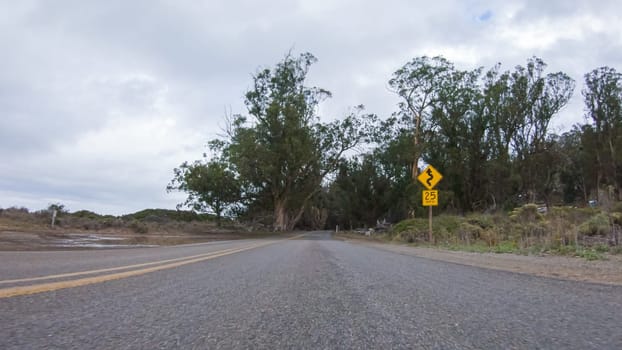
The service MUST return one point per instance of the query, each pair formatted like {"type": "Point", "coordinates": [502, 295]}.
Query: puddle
{"type": "Point", "coordinates": [94, 241]}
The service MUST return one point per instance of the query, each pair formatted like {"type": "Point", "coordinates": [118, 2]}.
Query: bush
{"type": "Point", "coordinates": [596, 225]}
{"type": "Point", "coordinates": [165, 215]}
{"type": "Point", "coordinates": [526, 213]}
{"type": "Point", "coordinates": [410, 230]}
{"type": "Point", "coordinates": [616, 207]}
{"type": "Point", "coordinates": [86, 214]}
{"type": "Point", "coordinates": [482, 221]}
{"type": "Point", "coordinates": [616, 218]}
{"type": "Point", "coordinates": [491, 237]}
{"type": "Point", "coordinates": [468, 232]}
{"type": "Point", "coordinates": [139, 227]}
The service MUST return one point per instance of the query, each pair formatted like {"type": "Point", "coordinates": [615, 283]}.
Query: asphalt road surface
{"type": "Point", "coordinates": [311, 292]}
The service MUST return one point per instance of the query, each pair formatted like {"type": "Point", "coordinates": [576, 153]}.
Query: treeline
{"type": "Point", "coordinates": [57, 216]}
{"type": "Point", "coordinates": [487, 131]}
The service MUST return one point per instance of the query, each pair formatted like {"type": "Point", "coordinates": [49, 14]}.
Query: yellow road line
{"type": "Point", "coordinates": [52, 286]}
{"type": "Point", "coordinates": [90, 272]}
{"type": "Point", "coordinates": [48, 287]}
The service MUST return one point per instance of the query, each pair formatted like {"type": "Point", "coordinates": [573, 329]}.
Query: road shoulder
{"type": "Point", "coordinates": [560, 267]}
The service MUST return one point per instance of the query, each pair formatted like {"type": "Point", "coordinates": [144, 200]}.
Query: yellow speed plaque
{"type": "Point", "coordinates": [430, 198]}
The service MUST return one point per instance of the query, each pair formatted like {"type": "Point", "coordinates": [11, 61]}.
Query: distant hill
{"type": "Point", "coordinates": [164, 215]}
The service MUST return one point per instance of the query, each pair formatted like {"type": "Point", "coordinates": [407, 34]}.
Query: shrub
{"type": "Point", "coordinates": [506, 247]}
{"type": "Point", "coordinates": [86, 214]}
{"type": "Point", "coordinates": [616, 207]}
{"type": "Point", "coordinates": [526, 213]}
{"type": "Point", "coordinates": [139, 227]}
{"type": "Point", "coordinates": [468, 231]}
{"type": "Point", "coordinates": [482, 221]}
{"type": "Point", "coordinates": [616, 218]}
{"type": "Point", "coordinates": [589, 254]}
{"type": "Point", "coordinates": [491, 237]}
{"type": "Point", "coordinates": [596, 225]}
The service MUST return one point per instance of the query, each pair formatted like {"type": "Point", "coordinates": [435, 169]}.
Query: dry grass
{"type": "Point", "coordinates": [589, 233]}
{"type": "Point", "coordinates": [24, 230]}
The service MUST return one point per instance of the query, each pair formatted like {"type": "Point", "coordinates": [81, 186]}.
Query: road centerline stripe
{"type": "Point", "coordinates": [52, 286]}
{"type": "Point", "coordinates": [117, 268]}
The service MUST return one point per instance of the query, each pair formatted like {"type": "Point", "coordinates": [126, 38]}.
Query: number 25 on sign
{"type": "Point", "coordinates": [430, 198]}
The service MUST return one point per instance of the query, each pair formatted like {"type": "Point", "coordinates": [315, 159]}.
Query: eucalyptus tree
{"type": "Point", "coordinates": [519, 106]}
{"type": "Point", "coordinates": [536, 98]}
{"type": "Point", "coordinates": [579, 168]}
{"type": "Point", "coordinates": [603, 107]}
{"type": "Point", "coordinates": [281, 150]}
{"type": "Point", "coordinates": [417, 83]}
{"type": "Point", "coordinates": [458, 136]}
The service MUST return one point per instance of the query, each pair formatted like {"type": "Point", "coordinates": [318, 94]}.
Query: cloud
{"type": "Point", "coordinates": [100, 100]}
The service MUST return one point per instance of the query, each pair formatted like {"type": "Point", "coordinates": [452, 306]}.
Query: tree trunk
{"type": "Point", "coordinates": [218, 211]}
{"type": "Point", "coordinates": [281, 218]}
{"type": "Point", "coordinates": [417, 141]}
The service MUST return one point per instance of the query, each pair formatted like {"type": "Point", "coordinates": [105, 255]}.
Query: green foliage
{"type": "Point", "coordinates": [210, 186]}
{"type": "Point", "coordinates": [470, 232]}
{"type": "Point", "coordinates": [589, 254]}
{"type": "Point", "coordinates": [281, 152]}
{"type": "Point", "coordinates": [60, 208]}
{"type": "Point", "coordinates": [603, 104]}
{"type": "Point", "coordinates": [164, 215]}
{"type": "Point", "coordinates": [527, 213]}
{"type": "Point", "coordinates": [487, 130]}
{"type": "Point", "coordinates": [581, 232]}
{"type": "Point", "coordinates": [444, 229]}
{"type": "Point", "coordinates": [596, 225]}
{"type": "Point", "coordinates": [139, 227]}
{"type": "Point", "coordinates": [86, 214]}
{"type": "Point", "coordinates": [506, 247]}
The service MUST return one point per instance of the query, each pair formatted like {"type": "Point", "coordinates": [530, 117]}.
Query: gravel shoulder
{"type": "Point", "coordinates": [568, 268]}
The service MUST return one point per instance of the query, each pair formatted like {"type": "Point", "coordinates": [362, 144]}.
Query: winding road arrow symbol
{"type": "Point", "coordinates": [431, 176]}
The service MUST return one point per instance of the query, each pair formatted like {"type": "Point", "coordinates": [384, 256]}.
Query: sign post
{"type": "Point", "coordinates": [429, 178]}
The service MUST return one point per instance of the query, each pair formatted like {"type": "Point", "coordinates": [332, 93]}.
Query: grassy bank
{"type": "Point", "coordinates": [584, 232]}
{"type": "Point", "coordinates": [142, 222]}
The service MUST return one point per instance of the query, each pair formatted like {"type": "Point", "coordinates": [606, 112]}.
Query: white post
{"type": "Point", "coordinates": [53, 217]}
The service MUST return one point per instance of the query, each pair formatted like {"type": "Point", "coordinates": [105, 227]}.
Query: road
{"type": "Point", "coordinates": [312, 292]}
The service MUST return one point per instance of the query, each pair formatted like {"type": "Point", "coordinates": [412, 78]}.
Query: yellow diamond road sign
{"type": "Point", "coordinates": [429, 177]}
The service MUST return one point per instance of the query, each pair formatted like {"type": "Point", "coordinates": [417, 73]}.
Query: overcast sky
{"type": "Point", "coordinates": [100, 100]}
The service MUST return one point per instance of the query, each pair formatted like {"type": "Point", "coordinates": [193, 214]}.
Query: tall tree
{"type": "Point", "coordinates": [603, 105]}
{"type": "Point", "coordinates": [502, 124]}
{"type": "Point", "coordinates": [418, 83]}
{"type": "Point", "coordinates": [538, 98]}
{"type": "Point", "coordinates": [577, 175]}
{"type": "Point", "coordinates": [456, 140]}
{"type": "Point", "coordinates": [283, 152]}
{"type": "Point", "coordinates": [210, 186]}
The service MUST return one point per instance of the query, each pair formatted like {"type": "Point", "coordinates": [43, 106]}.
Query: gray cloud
{"type": "Point", "coordinates": [100, 100]}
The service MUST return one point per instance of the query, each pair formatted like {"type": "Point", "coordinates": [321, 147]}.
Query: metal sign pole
{"type": "Point", "coordinates": [430, 231]}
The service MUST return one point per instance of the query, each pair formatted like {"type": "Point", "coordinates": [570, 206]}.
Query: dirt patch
{"type": "Point", "coordinates": [570, 268]}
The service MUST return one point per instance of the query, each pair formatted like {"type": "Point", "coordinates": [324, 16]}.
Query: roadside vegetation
{"type": "Point", "coordinates": [143, 222]}
{"type": "Point", "coordinates": [281, 166]}
{"type": "Point", "coordinates": [583, 232]}
{"type": "Point", "coordinates": [487, 130]}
